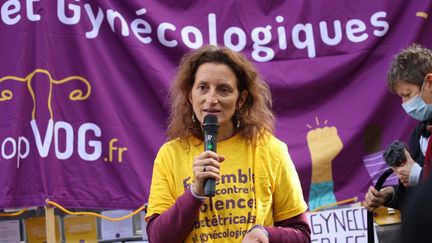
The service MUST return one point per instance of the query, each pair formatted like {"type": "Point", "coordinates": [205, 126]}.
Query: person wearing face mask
{"type": "Point", "coordinates": [410, 77]}
{"type": "Point", "coordinates": [258, 196]}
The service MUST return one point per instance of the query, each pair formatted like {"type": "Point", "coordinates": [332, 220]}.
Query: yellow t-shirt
{"type": "Point", "coordinates": [258, 185]}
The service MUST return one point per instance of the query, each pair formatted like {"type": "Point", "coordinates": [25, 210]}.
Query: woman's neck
{"type": "Point", "coordinates": [226, 133]}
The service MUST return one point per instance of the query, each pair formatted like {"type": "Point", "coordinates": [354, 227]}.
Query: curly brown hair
{"type": "Point", "coordinates": [255, 115]}
{"type": "Point", "coordinates": [411, 65]}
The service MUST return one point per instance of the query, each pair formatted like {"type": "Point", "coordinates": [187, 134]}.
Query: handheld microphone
{"type": "Point", "coordinates": [394, 155]}
{"type": "Point", "coordinates": [210, 128]}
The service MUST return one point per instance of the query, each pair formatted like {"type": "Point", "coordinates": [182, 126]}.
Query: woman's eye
{"type": "Point", "coordinates": [224, 90]}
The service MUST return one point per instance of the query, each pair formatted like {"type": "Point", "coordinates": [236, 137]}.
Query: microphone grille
{"type": "Point", "coordinates": [210, 120]}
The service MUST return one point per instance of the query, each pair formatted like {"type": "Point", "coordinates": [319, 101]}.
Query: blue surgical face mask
{"type": "Point", "coordinates": [417, 108]}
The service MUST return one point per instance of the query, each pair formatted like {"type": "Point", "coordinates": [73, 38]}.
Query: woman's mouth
{"type": "Point", "coordinates": [211, 111]}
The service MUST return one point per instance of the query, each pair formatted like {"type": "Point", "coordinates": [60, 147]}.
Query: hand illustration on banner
{"type": "Point", "coordinates": [324, 145]}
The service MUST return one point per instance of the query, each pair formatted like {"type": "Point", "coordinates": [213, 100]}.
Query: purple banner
{"type": "Point", "coordinates": [83, 89]}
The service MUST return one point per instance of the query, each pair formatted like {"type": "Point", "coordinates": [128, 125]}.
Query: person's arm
{"type": "Point", "coordinates": [175, 224]}
{"type": "Point", "coordinates": [415, 152]}
{"type": "Point", "coordinates": [415, 175]}
{"type": "Point", "coordinates": [397, 196]}
{"type": "Point", "coordinates": [295, 229]}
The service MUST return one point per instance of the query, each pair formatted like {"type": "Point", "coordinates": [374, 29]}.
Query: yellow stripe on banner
{"type": "Point", "coordinates": [349, 200]}
{"type": "Point", "coordinates": [142, 208]}
{"type": "Point", "coordinates": [13, 214]}
{"type": "Point", "coordinates": [422, 15]}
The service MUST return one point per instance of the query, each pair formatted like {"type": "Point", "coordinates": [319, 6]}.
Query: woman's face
{"type": "Point", "coordinates": [215, 92]}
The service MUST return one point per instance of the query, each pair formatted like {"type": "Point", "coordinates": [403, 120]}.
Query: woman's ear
{"type": "Point", "coordinates": [427, 89]}
{"type": "Point", "coordinates": [242, 99]}
{"type": "Point", "coordinates": [428, 82]}
{"type": "Point", "coordinates": [428, 78]}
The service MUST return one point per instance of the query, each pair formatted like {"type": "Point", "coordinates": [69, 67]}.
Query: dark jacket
{"type": "Point", "coordinates": [401, 192]}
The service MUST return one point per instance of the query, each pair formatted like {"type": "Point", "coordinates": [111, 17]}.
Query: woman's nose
{"type": "Point", "coordinates": [211, 97]}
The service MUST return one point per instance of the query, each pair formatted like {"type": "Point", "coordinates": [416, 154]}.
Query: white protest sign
{"type": "Point", "coordinates": [9, 231]}
{"type": "Point", "coordinates": [347, 225]}
{"type": "Point", "coordinates": [116, 230]}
